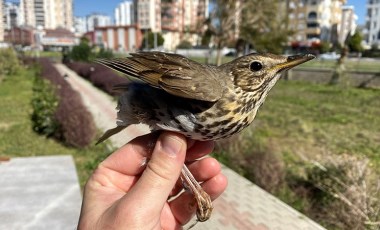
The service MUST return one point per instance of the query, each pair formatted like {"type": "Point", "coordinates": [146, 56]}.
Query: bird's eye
{"type": "Point", "coordinates": [255, 66]}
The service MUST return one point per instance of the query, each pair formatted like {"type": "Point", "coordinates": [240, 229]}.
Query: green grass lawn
{"type": "Point", "coordinates": [301, 123]}
{"type": "Point", "coordinates": [312, 119]}
{"type": "Point", "coordinates": [17, 139]}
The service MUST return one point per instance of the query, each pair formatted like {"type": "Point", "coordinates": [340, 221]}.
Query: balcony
{"type": "Point", "coordinates": [313, 30]}
{"type": "Point", "coordinates": [313, 25]}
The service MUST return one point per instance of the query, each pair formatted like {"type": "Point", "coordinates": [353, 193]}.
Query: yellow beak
{"type": "Point", "coordinates": [293, 61]}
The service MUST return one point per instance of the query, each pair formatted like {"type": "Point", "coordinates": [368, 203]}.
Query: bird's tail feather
{"type": "Point", "coordinates": [109, 133]}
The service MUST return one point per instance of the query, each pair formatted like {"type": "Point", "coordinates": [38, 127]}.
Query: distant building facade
{"type": "Point", "coordinates": [372, 32]}
{"type": "Point", "coordinates": [183, 15]}
{"type": "Point", "coordinates": [80, 25]}
{"type": "Point", "coordinates": [315, 20]}
{"type": "Point", "coordinates": [348, 23]}
{"type": "Point", "coordinates": [2, 23]}
{"type": "Point", "coordinates": [97, 20]}
{"type": "Point", "coordinates": [117, 38]}
{"type": "Point", "coordinates": [20, 36]}
{"type": "Point", "coordinates": [48, 14]}
{"type": "Point", "coordinates": [12, 15]}
{"type": "Point", "coordinates": [183, 20]}
{"type": "Point", "coordinates": [125, 13]}
{"type": "Point", "coordinates": [149, 15]}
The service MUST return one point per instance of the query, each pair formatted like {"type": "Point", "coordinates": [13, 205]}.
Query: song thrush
{"type": "Point", "coordinates": [202, 102]}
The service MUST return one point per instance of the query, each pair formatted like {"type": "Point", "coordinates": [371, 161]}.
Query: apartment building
{"type": "Point", "coordinates": [348, 23]}
{"type": "Point", "coordinates": [149, 15]}
{"type": "Point", "coordinates": [372, 33]}
{"type": "Point", "coordinates": [80, 25]}
{"type": "Point", "coordinates": [315, 20]}
{"type": "Point", "coordinates": [48, 14]}
{"type": "Point", "coordinates": [183, 20]}
{"type": "Point", "coordinates": [12, 15]}
{"type": "Point", "coordinates": [118, 38]}
{"type": "Point", "coordinates": [1, 21]}
{"type": "Point", "coordinates": [125, 13]}
{"type": "Point", "coordinates": [183, 15]}
{"type": "Point", "coordinates": [96, 20]}
{"type": "Point", "coordinates": [28, 14]}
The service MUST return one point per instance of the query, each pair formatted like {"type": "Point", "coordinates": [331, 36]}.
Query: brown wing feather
{"type": "Point", "coordinates": [173, 73]}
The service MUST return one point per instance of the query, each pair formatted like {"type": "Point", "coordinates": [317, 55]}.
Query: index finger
{"type": "Point", "coordinates": [131, 158]}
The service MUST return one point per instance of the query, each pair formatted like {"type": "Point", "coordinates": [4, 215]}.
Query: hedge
{"type": "Point", "coordinates": [76, 125]}
{"type": "Point", "coordinates": [100, 76]}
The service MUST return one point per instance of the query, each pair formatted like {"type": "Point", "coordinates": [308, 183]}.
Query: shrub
{"type": "Point", "coordinates": [105, 79]}
{"type": "Point", "coordinates": [44, 104]}
{"type": "Point", "coordinates": [82, 68]}
{"type": "Point", "coordinates": [81, 52]}
{"type": "Point", "coordinates": [254, 159]}
{"type": "Point", "coordinates": [349, 192]}
{"type": "Point", "coordinates": [99, 75]}
{"type": "Point", "coordinates": [184, 45]}
{"type": "Point", "coordinates": [9, 63]}
{"type": "Point", "coordinates": [104, 53]}
{"type": "Point", "coordinates": [76, 125]}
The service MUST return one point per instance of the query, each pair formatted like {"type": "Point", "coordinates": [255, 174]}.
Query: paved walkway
{"type": "Point", "coordinates": [243, 205]}
{"type": "Point", "coordinates": [39, 193]}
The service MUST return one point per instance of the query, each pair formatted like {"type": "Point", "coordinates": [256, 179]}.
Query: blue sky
{"type": "Point", "coordinates": [85, 7]}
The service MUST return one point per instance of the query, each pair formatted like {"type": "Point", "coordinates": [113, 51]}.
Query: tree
{"type": "Point", "coordinates": [222, 23]}
{"type": "Point", "coordinates": [324, 47]}
{"type": "Point", "coordinates": [206, 38]}
{"type": "Point", "coordinates": [184, 45]}
{"type": "Point", "coordinates": [150, 42]}
{"type": "Point", "coordinates": [264, 26]}
{"type": "Point", "coordinates": [81, 52]}
{"type": "Point", "coordinates": [354, 42]}
{"type": "Point", "coordinates": [104, 53]}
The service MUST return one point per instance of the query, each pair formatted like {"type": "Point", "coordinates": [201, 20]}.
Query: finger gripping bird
{"type": "Point", "coordinates": [202, 102]}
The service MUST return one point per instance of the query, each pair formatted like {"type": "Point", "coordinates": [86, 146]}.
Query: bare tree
{"type": "Point", "coordinates": [224, 23]}
{"type": "Point", "coordinates": [265, 25]}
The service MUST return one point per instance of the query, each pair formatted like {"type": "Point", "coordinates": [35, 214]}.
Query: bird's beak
{"type": "Point", "coordinates": [293, 61]}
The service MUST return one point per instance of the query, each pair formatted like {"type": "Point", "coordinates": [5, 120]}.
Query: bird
{"type": "Point", "coordinates": [202, 102]}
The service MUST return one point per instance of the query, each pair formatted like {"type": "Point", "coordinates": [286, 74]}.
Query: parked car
{"type": "Point", "coordinates": [329, 56]}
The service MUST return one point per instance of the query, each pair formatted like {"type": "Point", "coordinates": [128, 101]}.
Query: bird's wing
{"type": "Point", "coordinates": [173, 73]}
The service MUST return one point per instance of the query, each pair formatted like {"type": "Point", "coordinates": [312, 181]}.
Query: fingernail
{"type": "Point", "coordinates": [171, 145]}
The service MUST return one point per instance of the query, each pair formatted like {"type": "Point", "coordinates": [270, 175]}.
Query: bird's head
{"type": "Point", "coordinates": [255, 74]}
{"type": "Point", "coordinates": [261, 71]}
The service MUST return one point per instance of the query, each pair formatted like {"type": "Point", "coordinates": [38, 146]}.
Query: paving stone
{"type": "Point", "coordinates": [39, 193]}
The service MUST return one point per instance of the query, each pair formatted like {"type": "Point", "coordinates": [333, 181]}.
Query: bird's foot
{"type": "Point", "coordinates": [203, 200]}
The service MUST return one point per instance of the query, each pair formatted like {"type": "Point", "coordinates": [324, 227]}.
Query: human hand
{"type": "Point", "coordinates": [127, 192]}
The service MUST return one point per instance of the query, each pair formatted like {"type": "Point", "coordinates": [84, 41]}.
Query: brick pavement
{"type": "Point", "coordinates": [243, 205]}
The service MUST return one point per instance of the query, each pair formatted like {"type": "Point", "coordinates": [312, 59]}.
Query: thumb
{"type": "Point", "coordinates": [162, 172]}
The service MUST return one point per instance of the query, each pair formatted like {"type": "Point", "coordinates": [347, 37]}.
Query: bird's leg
{"type": "Point", "coordinates": [202, 198]}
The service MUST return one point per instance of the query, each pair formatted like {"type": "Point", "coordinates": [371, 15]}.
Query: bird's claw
{"type": "Point", "coordinates": [205, 207]}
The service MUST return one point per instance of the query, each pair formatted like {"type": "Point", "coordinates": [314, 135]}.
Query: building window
{"type": "Point", "coordinates": [312, 25]}
{"type": "Point", "coordinates": [312, 15]}
{"type": "Point", "coordinates": [311, 36]}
